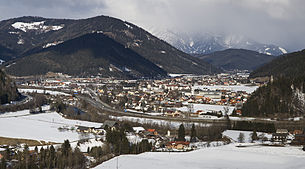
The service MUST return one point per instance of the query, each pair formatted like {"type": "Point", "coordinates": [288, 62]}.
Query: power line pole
{"type": "Point", "coordinates": [190, 110]}
{"type": "Point", "coordinates": [117, 162]}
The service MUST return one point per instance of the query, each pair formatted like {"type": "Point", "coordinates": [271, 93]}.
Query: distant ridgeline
{"type": "Point", "coordinates": [8, 89]}
{"type": "Point", "coordinates": [285, 95]}
{"type": "Point", "coordinates": [289, 65]}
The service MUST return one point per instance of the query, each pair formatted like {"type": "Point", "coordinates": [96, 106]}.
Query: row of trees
{"type": "Point", "coordinates": [253, 137]}
{"type": "Point", "coordinates": [181, 133]}
{"type": "Point", "coordinates": [119, 144]}
{"type": "Point", "coordinates": [210, 133]}
{"type": "Point", "coordinates": [251, 126]}
{"type": "Point", "coordinates": [64, 157]}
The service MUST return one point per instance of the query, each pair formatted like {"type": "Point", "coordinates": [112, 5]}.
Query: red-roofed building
{"type": "Point", "coordinates": [151, 130]}
{"type": "Point", "coordinates": [179, 145]}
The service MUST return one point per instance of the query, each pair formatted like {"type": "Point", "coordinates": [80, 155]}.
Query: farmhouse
{"type": "Point", "coordinates": [178, 145]}
{"type": "Point", "coordinates": [113, 125]}
{"type": "Point", "coordinates": [280, 136]}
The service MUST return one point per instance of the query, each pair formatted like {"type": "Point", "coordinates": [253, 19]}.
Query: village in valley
{"type": "Point", "coordinates": [107, 117]}
{"type": "Point", "coordinates": [166, 97]}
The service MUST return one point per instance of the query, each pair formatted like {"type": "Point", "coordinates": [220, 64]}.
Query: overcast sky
{"type": "Point", "coordinates": [280, 22]}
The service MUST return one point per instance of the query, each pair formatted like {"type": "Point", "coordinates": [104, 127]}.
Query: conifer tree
{"type": "Point", "coordinates": [3, 164]}
{"type": "Point", "coordinates": [193, 133]}
{"type": "Point", "coordinates": [254, 136]}
{"type": "Point", "coordinates": [241, 138]}
{"type": "Point", "coordinates": [181, 133]}
{"type": "Point", "coordinates": [65, 148]}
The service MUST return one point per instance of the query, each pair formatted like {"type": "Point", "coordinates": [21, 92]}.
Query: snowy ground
{"type": "Point", "coordinates": [208, 108]}
{"type": "Point", "coordinates": [44, 126]}
{"type": "Point", "coordinates": [234, 134]}
{"type": "Point", "coordinates": [133, 138]}
{"type": "Point", "coordinates": [177, 75]}
{"type": "Point", "coordinates": [172, 124]}
{"type": "Point", "coordinates": [21, 113]}
{"type": "Point", "coordinates": [248, 89]}
{"type": "Point", "coordinates": [42, 91]}
{"type": "Point", "coordinates": [89, 144]}
{"type": "Point", "coordinates": [223, 157]}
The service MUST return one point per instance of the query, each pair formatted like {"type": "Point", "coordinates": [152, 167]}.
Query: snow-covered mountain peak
{"type": "Point", "coordinates": [205, 43]}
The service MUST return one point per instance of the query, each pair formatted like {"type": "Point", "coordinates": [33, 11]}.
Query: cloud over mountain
{"type": "Point", "coordinates": [279, 22]}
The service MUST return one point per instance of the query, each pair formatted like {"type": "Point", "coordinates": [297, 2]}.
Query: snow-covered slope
{"type": "Point", "coordinates": [35, 26]}
{"type": "Point", "coordinates": [44, 126]}
{"type": "Point", "coordinates": [223, 157]}
{"type": "Point", "coordinates": [197, 43]}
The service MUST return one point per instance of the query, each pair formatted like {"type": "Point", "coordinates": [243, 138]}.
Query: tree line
{"type": "Point", "coordinates": [64, 157]}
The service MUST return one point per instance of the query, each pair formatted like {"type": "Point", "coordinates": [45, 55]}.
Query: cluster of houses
{"type": "Point", "coordinates": [160, 142]}
{"type": "Point", "coordinates": [168, 143]}
{"type": "Point", "coordinates": [282, 136]}
{"type": "Point", "coordinates": [155, 96]}
{"type": "Point", "coordinates": [108, 124]}
{"type": "Point", "coordinates": [165, 96]}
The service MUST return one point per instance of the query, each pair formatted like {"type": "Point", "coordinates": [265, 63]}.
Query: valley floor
{"type": "Point", "coordinates": [223, 157]}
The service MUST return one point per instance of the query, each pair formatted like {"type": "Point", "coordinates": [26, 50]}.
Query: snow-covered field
{"type": "Point", "coordinates": [172, 124]}
{"type": "Point", "coordinates": [43, 91]}
{"type": "Point", "coordinates": [44, 126]}
{"type": "Point", "coordinates": [208, 108]}
{"type": "Point", "coordinates": [248, 89]}
{"type": "Point", "coordinates": [222, 157]}
{"type": "Point", "coordinates": [234, 134]}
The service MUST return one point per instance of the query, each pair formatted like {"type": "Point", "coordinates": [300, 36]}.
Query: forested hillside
{"type": "Point", "coordinates": [289, 65]}
{"type": "Point", "coordinates": [90, 54]}
{"type": "Point", "coordinates": [26, 36]}
{"type": "Point", "coordinates": [8, 89]}
{"type": "Point", "coordinates": [282, 98]}
{"type": "Point", "coordinates": [285, 95]}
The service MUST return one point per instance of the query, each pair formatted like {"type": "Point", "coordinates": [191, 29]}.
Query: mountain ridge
{"type": "Point", "coordinates": [206, 43]}
{"type": "Point", "coordinates": [288, 65]}
{"type": "Point", "coordinates": [241, 59]}
{"type": "Point", "coordinates": [88, 54]}
{"type": "Point", "coordinates": [31, 34]}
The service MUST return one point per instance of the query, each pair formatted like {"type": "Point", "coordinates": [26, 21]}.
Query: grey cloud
{"type": "Point", "coordinates": [50, 8]}
{"type": "Point", "coordinates": [279, 22]}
